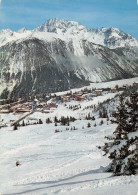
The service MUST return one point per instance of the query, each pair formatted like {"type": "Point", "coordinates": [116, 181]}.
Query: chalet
{"type": "Point", "coordinates": [80, 92]}
{"type": "Point", "coordinates": [114, 90]}
{"type": "Point", "coordinates": [14, 109]}
{"type": "Point", "coordinates": [59, 98]}
{"type": "Point", "coordinates": [65, 98]}
{"type": "Point", "coordinates": [40, 106]}
{"type": "Point", "coordinates": [135, 84]}
{"type": "Point", "coordinates": [46, 111]}
{"type": "Point", "coordinates": [4, 111]}
{"type": "Point", "coordinates": [94, 95]}
{"type": "Point", "coordinates": [52, 105]}
{"type": "Point", "coordinates": [85, 94]}
{"type": "Point", "coordinates": [6, 107]}
{"type": "Point", "coordinates": [20, 101]}
{"type": "Point", "coordinates": [82, 98]}
{"type": "Point", "coordinates": [126, 86]}
{"type": "Point", "coordinates": [2, 124]}
{"type": "Point", "coordinates": [12, 120]}
{"type": "Point", "coordinates": [26, 109]}
{"type": "Point", "coordinates": [34, 104]}
{"type": "Point", "coordinates": [98, 92]}
{"type": "Point", "coordinates": [79, 97]}
{"type": "Point", "coordinates": [53, 100]}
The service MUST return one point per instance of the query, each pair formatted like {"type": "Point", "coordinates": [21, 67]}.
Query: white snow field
{"type": "Point", "coordinates": [101, 85]}
{"type": "Point", "coordinates": [63, 163]}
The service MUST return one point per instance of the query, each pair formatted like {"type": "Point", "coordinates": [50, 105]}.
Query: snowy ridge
{"type": "Point", "coordinates": [70, 30]}
{"type": "Point", "coordinates": [7, 35]}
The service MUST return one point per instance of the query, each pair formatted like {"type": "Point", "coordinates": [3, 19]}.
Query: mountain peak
{"type": "Point", "coordinates": [57, 21]}
{"type": "Point", "coordinates": [22, 30]}
{"type": "Point", "coordinates": [57, 25]}
{"type": "Point", "coordinates": [69, 30]}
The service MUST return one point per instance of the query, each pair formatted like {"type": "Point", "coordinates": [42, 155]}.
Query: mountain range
{"type": "Point", "coordinates": [60, 55]}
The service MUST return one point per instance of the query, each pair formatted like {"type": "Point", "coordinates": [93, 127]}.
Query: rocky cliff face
{"type": "Point", "coordinates": [60, 55]}
{"type": "Point", "coordinates": [38, 66]}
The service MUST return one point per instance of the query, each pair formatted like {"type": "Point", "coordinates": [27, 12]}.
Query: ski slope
{"type": "Point", "coordinates": [68, 162]}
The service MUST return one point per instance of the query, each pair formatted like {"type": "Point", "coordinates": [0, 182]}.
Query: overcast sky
{"type": "Point", "coordinates": [123, 14]}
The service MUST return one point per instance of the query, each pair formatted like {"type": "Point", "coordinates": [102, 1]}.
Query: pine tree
{"type": "Point", "coordinates": [15, 127]}
{"type": "Point", "coordinates": [132, 160]}
{"type": "Point", "coordinates": [133, 112]}
{"type": "Point", "coordinates": [100, 114]}
{"type": "Point", "coordinates": [121, 117]}
{"type": "Point", "coordinates": [88, 125]}
{"type": "Point", "coordinates": [17, 163]}
{"type": "Point", "coordinates": [122, 148]}
{"type": "Point", "coordinates": [72, 119]}
{"type": "Point", "coordinates": [94, 125]}
{"type": "Point", "coordinates": [93, 118]}
{"type": "Point", "coordinates": [40, 121]}
{"type": "Point", "coordinates": [74, 128]}
{"type": "Point", "coordinates": [23, 124]}
{"type": "Point", "coordinates": [48, 121]}
{"type": "Point", "coordinates": [86, 117]}
{"type": "Point", "coordinates": [101, 122]}
{"type": "Point", "coordinates": [67, 123]}
{"type": "Point", "coordinates": [63, 120]}
{"type": "Point", "coordinates": [89, 116]}
{"type": "Point", "coordinates": [55, 120]}
{"type": "Point", "coordinates": [104, 113]}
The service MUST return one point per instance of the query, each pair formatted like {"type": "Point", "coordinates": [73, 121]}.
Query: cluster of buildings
{"type": "Point", "coordinates": [81, 96]}
{"type": "Point", "coordinates": [46, 107]}
{"type": "Point", "coordinates": [12, 107]}
{"type": "Point", "coordinates": [31, 105]}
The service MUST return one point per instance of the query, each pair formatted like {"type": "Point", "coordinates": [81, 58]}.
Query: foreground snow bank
{"type": "Point", "coordinates": [67, 162]}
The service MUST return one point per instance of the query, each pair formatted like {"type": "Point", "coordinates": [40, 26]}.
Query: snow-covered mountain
{"type": "Point", "coordinates": [40, 66]}
{"type": "Point", "coordinates": [60, 55]}
{"type": "Point", "coordinates": [7, 35]}
{"type": "Point", "coordinates": [66, 30]}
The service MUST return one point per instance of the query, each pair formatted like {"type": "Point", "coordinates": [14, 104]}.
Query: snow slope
{"type": "Point", "coordinates": [101, 85]}
{"type": "Point", "coordinates": [67, 162]}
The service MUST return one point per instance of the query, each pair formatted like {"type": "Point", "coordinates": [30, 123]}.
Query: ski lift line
{"type": "Point", "coordinates": [20, 119]}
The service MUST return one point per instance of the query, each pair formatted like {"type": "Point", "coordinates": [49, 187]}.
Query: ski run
{"type": "Point", "coordinates": [61, 159]}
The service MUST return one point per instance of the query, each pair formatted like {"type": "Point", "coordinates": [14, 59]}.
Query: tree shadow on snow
{"type": "Point", "coordinates": [57, 183]}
